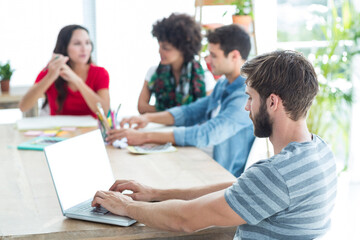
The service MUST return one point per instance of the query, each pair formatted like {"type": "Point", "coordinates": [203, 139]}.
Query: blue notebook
{"type": "Point", "coordinates": [39, 143]}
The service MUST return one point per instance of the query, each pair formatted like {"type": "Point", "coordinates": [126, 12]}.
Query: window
{"type": "Point", "coordinates": [321, 30]}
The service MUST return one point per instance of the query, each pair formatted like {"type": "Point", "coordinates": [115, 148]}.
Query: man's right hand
{"type": "Point", "coordinates": [141, 121]}
{"type": "Point", "coordinates": [139, 192]}
{"type": "Point", "coordinates": [134, 137]}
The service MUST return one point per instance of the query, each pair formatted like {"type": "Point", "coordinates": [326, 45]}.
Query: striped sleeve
{"type": "Point", "coordinates": [259, 193]}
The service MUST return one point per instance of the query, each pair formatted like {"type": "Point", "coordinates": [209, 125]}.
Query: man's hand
{"type": "Point", "coordinates": [140, 192]}
{"type": "Point", "coordinates": [134, 137]}
{"type": "Point", "coordinates": [115, 202]}
{"type": "Point", "coordinates": [141, 121]}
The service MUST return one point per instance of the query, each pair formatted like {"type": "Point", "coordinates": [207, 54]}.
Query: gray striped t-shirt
{"type": "Point", "coordinates": [288, 196]}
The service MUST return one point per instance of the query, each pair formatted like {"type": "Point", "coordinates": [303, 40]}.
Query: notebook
{"type": "Point", "coordinates": [79, 167]}
{"type": "Point", "coordinates": [39, 143]}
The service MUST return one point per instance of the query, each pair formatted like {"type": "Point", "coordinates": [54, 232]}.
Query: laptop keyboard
{"type": "Point", "coordinates": [97, 210]}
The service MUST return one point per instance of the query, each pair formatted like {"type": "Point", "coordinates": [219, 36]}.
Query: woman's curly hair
{"type": "Point", "coordinates": [181, 31]}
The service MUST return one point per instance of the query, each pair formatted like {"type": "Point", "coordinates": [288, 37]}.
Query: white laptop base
{"type": "Point", "coordinates": [79, 167]}
{"type": "Point", "coordinates": [84, 211]}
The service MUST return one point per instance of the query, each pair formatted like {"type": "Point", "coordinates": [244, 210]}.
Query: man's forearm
{"type": "Point", "coordinates": [157, 215]}
{"type": "Point", "coordinates": [160, 117]}
{"type": "Point", "coordinates": [159, 137]}
{"type": "Point", "coordinates": [189, 193]}
{"type": "Point", "coordinates": [188, 216]}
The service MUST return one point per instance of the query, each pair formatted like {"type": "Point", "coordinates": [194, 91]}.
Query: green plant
{"type": "Point", "coordinates": [243, 7]}
{"type": "Point", "coordinates": [6, 72]}
{"type": "Point", "coordinates": [330, 114]}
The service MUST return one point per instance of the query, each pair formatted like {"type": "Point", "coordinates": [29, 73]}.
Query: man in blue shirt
{"type": "Point", "coordinates": [218, 120]}
{"type": "Point", "coordinates": [287, 196]}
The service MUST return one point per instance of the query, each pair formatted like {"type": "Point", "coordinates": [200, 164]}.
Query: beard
{"type": "Point", "coordinates": [262, 122]}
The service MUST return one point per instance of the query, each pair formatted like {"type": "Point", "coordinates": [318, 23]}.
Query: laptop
{"type": "Point", "coordinates": [79, 167]}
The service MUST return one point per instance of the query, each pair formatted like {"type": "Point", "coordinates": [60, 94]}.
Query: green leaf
{"type": "Point", "coordinates": [6, 71]}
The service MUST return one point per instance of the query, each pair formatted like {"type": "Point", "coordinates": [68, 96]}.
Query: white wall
{"type": "Point", "coordinates": [265, 16]}
{"type": "Point", "coordinates": [28, 33]}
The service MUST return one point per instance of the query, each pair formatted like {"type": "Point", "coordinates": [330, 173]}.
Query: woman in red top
{"type": "Point", "coordinates": [71, 83]}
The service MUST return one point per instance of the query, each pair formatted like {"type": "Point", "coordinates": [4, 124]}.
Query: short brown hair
{"type": "Point", "coordinates": [231, 37]}
{"type": "Point", "coordinates": [287, 74]}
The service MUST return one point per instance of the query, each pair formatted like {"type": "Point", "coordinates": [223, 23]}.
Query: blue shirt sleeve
{"type": "Point", "coordinates": [231, 119]}
{"type": "Point", "coordinates": [259, 193]}
{"type": "Point", "coordinates": [191, 114]}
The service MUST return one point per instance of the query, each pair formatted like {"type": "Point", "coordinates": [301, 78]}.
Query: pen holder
{"type": "Point", "coordinates": [102, 130]}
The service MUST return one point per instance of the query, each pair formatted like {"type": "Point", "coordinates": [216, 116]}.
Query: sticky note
{"type": "Point", "coordinates": [70, 129]}
{"type": "Point", "coordinates": [50, 133]}
{"type": "Point", "coordinates": [33, 133]}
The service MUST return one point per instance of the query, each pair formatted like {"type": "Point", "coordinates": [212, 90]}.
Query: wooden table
{"type": "Point", "coordinates": [29, 208]}
{"type": "Point", "coordinates": [13, 98]}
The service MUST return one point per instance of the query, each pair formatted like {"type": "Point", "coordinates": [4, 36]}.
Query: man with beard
{"type": "Point", "coordinates": [218, 122]}
{"type": "Point", "coordinates": [288, 196]}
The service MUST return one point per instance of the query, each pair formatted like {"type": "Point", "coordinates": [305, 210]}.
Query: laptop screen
{"type": "Point", "coordinates": [79, 167]}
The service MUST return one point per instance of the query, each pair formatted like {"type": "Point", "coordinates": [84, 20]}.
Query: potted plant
{"type": "Point", "coordinates": [329, 115]}
{"type": "Point", "coordinates": [5, 76]}
{"type": "Point", "coordinates": [243, 13]}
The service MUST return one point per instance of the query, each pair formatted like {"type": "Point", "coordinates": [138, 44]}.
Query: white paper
{"type": "Point", "coordinates": [51, 122]}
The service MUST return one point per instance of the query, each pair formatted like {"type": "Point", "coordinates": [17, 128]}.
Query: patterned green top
{"type": "Point", "coordinates": [168, 94]}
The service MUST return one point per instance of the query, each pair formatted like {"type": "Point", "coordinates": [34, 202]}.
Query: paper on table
{"type": "Point", "coordinates": [50, 122]}
{"type": "Point", "coordinates": [50, 133]}
{"type": "Point", "coordinates": [33, 133]}
{"type": "Point", "coordinates": [122, 143]}
{"type": "Point", "coordinates": [152, 148]}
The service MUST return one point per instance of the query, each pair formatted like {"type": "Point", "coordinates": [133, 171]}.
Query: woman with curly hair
{"type": "Point", "coordinates": [71, 83]}
{"type": "Point", "coordinates": [178, 79]}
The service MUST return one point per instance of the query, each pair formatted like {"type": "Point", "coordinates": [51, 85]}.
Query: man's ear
{"type": "Point", "coordinates": [235, 55]}
{"type": "Point", "coordinates": [273, 102]}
